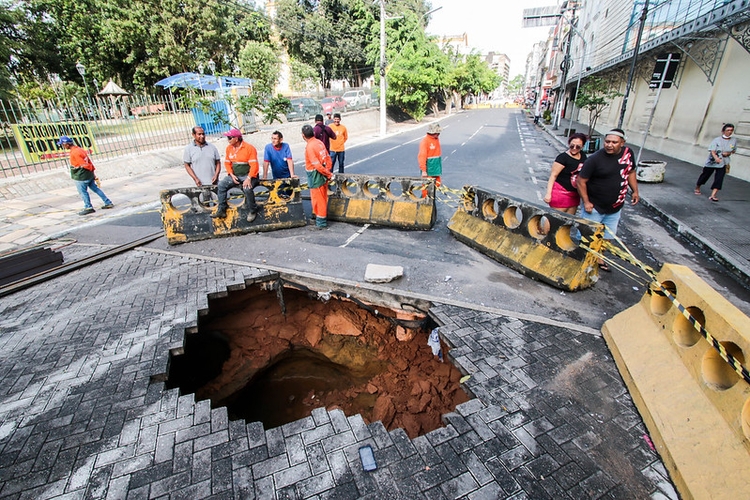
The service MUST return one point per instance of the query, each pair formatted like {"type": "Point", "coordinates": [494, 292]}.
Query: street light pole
{"type": "Point", "coordinates": [82, 71]}
{"type": "Point", "coordinates": [383, 118]}
{"type": "Point", "coordinates": [631, 74]}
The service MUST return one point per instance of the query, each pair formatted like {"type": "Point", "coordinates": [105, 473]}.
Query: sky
{"type": "Point", "coordinates": [491, 25]}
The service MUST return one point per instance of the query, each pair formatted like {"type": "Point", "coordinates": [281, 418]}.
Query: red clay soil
{"type": "Point", "coordinates": [398, 382]}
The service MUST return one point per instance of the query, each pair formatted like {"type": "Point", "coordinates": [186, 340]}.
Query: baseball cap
{"type": "Point", "coordinates": [233, 132]}
{"type": "Point", "coordinates": [64, 139]}
{"type": "Point", "coordinates": [434, 128]}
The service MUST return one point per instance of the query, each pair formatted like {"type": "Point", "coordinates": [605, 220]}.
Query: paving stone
{"type": "Point", "coordinates": [81, 409]}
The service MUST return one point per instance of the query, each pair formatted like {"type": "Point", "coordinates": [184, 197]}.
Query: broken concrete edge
{"type": "Point", "coordinates": [425, 300]}
{"type": "Point", "coordinates": [378, 273]}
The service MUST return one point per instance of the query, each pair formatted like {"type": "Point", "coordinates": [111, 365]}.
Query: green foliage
{"type": "Point", "coordinates": [328, 34]}
{"type": "Point", "coordinates": [136, 42]}
{"type": "Point", "coordinates": [594, 95]}
{"type": "Point", "coordinates": [260, 62]}
{"type": "Point", "coordinates": [303, 75]}
{"type": "Point", "coordinates": [276, 107]}
{"type": "Point", "coordinates": [473, 76]}
{"type": "Point", "coordinates": [515, 86]}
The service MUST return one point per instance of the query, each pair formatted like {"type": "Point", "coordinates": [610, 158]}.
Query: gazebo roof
{"type": "Point", "coordinates": [112, 89]}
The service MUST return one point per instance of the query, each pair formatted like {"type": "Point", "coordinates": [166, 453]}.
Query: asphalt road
{"type": "Point", "coordinates": [497, 149]}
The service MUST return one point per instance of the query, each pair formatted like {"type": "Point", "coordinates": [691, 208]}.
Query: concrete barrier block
{"type": "Point", "coordinates": [695, 405]}
{"type": "Point", "coordinates": [403, 202]}
{"type": "Point", "coordinates": [186, 212]}
{"type": "Point", "coordinates": [539, 242]}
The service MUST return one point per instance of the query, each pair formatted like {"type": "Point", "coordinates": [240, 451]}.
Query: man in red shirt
{"type": "Point", "coordinates": [82, 172]}
{"type": "Point", "coordinates": [241, 163]}
{"type": "Point", "coordinates": [317, 166]}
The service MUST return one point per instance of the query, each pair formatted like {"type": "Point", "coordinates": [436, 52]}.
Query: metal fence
{"type": "Point", "coordinates": [108, 126]}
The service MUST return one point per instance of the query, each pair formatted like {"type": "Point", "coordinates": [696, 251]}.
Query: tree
{"type": "Point", "coordinates": [329, 35]}
{"type": "Point", "coordinates": [515, 86]}
{"type": "Point", "coordinates": [594, 95]}
{"type": "Point", "coordinates": [137, 42]}
{"type": "Point", "coordinates": [473, 76]}
{"type": "Point", "coordinates": [303, 76]}
{"type": "Point", "coordinates": [261, 63]}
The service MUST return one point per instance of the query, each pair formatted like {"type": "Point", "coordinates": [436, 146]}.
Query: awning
{"type": "Point", "coordinates": [202, 82]}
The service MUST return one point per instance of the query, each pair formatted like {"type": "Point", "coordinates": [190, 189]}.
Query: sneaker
{"type": "Point", "coordinates": [251, 216]}
{"type": "Point", "coordinates": [86, 211]}
{"type": "Point", "coordinates": [108, 206]}
{"type": "Point", "coordinates": [219, 214]}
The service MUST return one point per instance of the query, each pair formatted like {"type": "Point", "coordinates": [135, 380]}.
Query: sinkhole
{"type": "Point", "coordinates": [275, 350]}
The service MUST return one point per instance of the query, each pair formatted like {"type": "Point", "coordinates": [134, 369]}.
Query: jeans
{"type": "Point", "coordinates": [83, 190]}
{"type": "Point", "coordinates": [341, 155]}
{"type": "Point", "coordinates": [610, 221]}
{"type": "Point", "coordinates": [227, 183]}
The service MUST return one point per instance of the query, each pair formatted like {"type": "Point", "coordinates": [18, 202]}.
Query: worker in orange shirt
{"type": "Point", "coordinates": [82, 172]}
{"type": "Point", "coordinates": [430, 161]}
{"type": "Point", "coordinates": [241, 163]}
{"type": "Point", "coordinates": [317, 166]}
{"type": "Point", "coordinates": [337, 144]}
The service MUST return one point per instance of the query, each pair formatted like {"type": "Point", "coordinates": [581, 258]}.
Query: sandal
{"type": "Point", "coordinates": [713, 199]}
{"type": "Point", "coordinates": [697, 191]}
{"type": "Point", "coordinates": [604, 267]}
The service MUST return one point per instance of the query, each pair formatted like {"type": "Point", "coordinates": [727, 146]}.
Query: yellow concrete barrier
{"type": "Point", "coordinates": [404, 202]}
{"type": "Point", "coordinates": [186, 212]}
{"type": "Point", "coordinates": [540, 243]}
{"type": "Point", "coordinates": [695, 405]}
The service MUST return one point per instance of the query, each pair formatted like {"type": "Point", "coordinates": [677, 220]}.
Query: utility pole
{"type": "Point", "coordinates": [631, 74]}
{"type": "Point", "coordinates": [382, 69]}
{"type": "Point", "coordinates": [564, 66]}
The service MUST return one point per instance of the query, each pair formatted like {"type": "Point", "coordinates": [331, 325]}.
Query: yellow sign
{"type": "Point", "coordinates": [38, 141]}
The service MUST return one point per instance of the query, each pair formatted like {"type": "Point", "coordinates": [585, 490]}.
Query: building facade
{"type": "Point", "coordinates": [711, 41]}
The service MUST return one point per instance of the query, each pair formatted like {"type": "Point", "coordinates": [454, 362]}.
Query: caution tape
{"type": "Point", "coordinates": [625, 254]}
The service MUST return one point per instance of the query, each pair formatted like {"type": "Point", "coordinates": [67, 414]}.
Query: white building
{"type": "Point", "coordinates": [711, 39]}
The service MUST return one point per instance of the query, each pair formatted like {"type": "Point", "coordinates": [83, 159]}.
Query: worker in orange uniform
{"type": "Point", "coordinates": [82, 172]}
{"type": "Point", "coordinates": [430, 161]}
{"type": "Point", "coordinates": [241, 163]}
{"type": "Point", "coordinates": [317, 166]}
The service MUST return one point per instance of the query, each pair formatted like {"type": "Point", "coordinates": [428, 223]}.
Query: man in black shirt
{"type": "Point", "coordinates": [603, 183]}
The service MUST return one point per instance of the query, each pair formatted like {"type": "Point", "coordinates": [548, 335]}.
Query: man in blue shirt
{"type": "Point", "coordinates": [278, 154]}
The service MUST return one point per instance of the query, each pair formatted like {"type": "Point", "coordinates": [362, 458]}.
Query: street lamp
{"type": "Point", "coordinates": [82, 71]}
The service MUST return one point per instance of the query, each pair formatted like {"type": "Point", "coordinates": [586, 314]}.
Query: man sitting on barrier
{"type": "Point", "coordinates": [317, 166]}
{"type": "Point", "coordinates": [241, 163]}
{"type": "Point", "coordinates": [603, 184]}
{"type": "Point", "coordinates": [278, 155]}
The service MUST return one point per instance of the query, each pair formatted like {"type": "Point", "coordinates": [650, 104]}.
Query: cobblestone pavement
{"type": "Point", "coordinates": [85, 414]}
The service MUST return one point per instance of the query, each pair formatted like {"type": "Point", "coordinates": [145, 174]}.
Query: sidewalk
{"type": "Point", "coordinates": [714, 227]}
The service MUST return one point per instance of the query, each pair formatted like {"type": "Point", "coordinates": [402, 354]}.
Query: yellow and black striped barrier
{"type": "Point", "coordinates": [694, 396]}
{"type": "Point", "coordinates": [186, 212]}
{"type": "Point", "coordinates": [403, 202]}
{"type": "Point", "coordinates": [539, 242]}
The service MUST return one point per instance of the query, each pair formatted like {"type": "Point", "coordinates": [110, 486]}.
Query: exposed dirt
{"type": "Point", "coordinates": [386, 373]}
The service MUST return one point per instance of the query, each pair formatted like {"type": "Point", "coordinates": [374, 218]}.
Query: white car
{"type": "Point", "coordinates": [356, 99]}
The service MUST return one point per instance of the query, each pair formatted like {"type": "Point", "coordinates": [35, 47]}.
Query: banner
{"type": "Point", "coordinates": [38, 141]}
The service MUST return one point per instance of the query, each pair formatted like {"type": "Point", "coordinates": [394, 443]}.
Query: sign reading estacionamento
{"type": "Point", "coordinates": [38, 141]}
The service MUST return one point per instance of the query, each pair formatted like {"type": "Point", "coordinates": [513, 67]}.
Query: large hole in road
{"type": "Point", "coordinates": [274, 351]}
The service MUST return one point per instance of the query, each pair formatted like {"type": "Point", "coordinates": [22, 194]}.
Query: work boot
{"type": "Point", "coordinates": [86, 211]}
{"type": "Point", "coordinates": [220, 213]}
{"type": "Point", "coordinates": [251, 216]}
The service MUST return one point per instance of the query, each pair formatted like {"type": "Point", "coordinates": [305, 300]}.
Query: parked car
{"type": "Point", "coordinates": [303, 108]}
{"type": "Point", "coordinates": [333, 104]}
{"type": "Point", "coordinates": [356, 99]}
